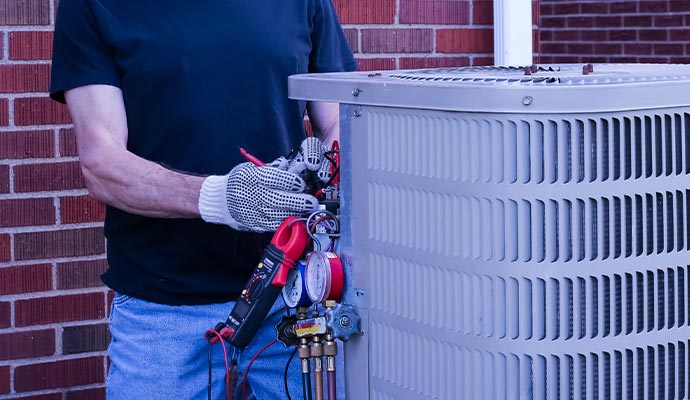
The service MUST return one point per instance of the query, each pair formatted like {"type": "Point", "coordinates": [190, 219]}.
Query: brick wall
{"type": "Point", "coordinates": [53, 308]}
{"type": "Point", "coordinates": [615, 31]}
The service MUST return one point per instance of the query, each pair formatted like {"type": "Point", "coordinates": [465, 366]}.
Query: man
{"type": "Point", "coordinates": [162, 96]}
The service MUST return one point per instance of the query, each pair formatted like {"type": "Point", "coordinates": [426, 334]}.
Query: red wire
{"type": "Point", "coordinates": [228, 392]}
{"type": "Point", "coordinates": [246, 373]}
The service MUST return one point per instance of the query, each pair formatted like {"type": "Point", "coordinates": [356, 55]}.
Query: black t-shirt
{"type": "Point", "coordinates": [199, 80]}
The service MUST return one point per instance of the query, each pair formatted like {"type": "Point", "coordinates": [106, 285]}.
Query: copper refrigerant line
{"type": "Point", "coordinates": [311, 351]}
{"type": "Point", "coordinates": [315, 336]}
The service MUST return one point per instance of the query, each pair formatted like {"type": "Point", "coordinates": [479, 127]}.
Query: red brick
{"type": "Point", "coordinates": [64, 308]}
{"type": "Point", "coordinates": [553, 22]}
{"type": "Point", "coordinates": [579, 48]}
{"type": "Point", "coordinates": [49, 396]}
{"type": "Point", "coordinates": [4, 178]}
{"type": "Point", "coordinates": [26, 279]}
{"type": "Point", "coordinates": [636, 49]}
{"type": "Point", "coordinates": [39, 111]}
{"type": "Point", "coordinates": [568, 35]}
{"type": "Point", "coordinates": [5, 311]}
{"type": "Point", "coordinates": [25, 12]}
{"type": "Point", "coordinates": [553, 48]}
{"type": "Point", "coordinates": [31, 344]}
{"type": "Point", "coordinates": [594, 8]}
{"type": "Point", "coordinates": [536, 12]}
{"type": "Point", "coordinates": [653, 35]}
{"type": "Point", "coordinates": [434, 62]}
{"type": "Point", "coordinates": [4, 247]}
{"type": "Point", "coordinates": [561, 59]}
{"type": "Point", "coordinates": [596, 35]}
{"type": "Point", "coordinates": [652, 60]}
{"type": "Point", "coordinates": [623, 7]}
{"type": "Point", "coordinates": [59, 374]}
{"type": "Point", "coordinates": [675, 49]}
{"type": "Point", "coordinates": [681, 35]}
{"type": "Point", "coordinates": [2, 42]}
{"type": "Point", "coordinates": [5, 379]}
{"type": "Point", "coordinates": [351, 35]}
{"type": "Point", "coordinates": [397, 40]}
{"type": "Point", "coordinates": [482, 61]}
{"type": "Point", "coordinates": [374, 64]}
{"type": "Point", "coordinates": [87, 394]}
{"type": "Point", "coordinates": [545, 36]}
{"type": "Point", "coordinates": [27, 144]}
{"type": "Point", "coordinates": [47, 177]}
{"type": "Point", "coordinates": [609, 21]}
{"type": "Point", "coordinates": [567, 9]}
{"type": "Point", "coordinates": [23, 78]}
{"type": "Point", "coordinates": [68, 142]}
{"type": "Point", "coordinates": [62, 243]}
{"type": "Point", "coordinates": [637, 20]}
{"type": "Point", "coordinates": [4, 112]}
{"type": "Point", "coordinates": [625, 59]}
{"type": "Point", "coordinates": [79, 209]}
{"type": "Point", "coordinates": [31, 45]}
{"type": "Point", "coordinates": [446, 12]}
{"type": "Point", "coordinates": [85, 338]}
{"type": "Point", "coordinates": [80, 274]}
{"type": "Point", "coordinates": [365, 11]}
{"type": "Point", "coordinates": [668, 20]}
{"type": "Point", "coordinates": [482, 12]}
{"type": "Point", "coordinates": [679, 60]}
{"type": "Point", "coordinates": [653, 6]}
{"type": "Point", "coordinates": [580, 22]}
{"type": "Point", "coordinates": [622, 35]}
{"type": "Point", "coordinates": [464, 40]}
{"type": "Point", "coordinates": [608, 48]}
{"type": "Point", "coordinates": [679, 6]}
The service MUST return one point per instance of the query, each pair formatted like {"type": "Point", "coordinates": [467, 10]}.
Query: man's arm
{"type": "Point", "coordinates": [324, 121]}
{"type": "Point", "coordinates": [114, 175]}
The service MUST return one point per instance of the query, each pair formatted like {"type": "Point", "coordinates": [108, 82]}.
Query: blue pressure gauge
{"type": "Point", "coordinates": [295, 291]}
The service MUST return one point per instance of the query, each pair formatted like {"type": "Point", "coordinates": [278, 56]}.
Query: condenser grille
{"type": "Point", "coordinates": [556, 246]}
{"type": "Point", "coordinates": [467, 155]}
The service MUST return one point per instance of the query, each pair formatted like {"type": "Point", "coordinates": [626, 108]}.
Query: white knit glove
{"type": "Point", "coordinates": [252, 198]}
{"type": "Point", "coordinates": [310, 159]}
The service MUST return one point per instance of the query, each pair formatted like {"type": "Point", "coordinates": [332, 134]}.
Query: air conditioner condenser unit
{"type": "Point", "coordinates": [515, 233]}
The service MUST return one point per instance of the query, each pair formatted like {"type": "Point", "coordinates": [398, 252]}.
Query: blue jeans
{"type": "Point", "coordinates": [158, 351]}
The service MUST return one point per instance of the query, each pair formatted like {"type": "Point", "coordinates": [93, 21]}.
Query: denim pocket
{"type": "Point", "coordinates": [120, 299]}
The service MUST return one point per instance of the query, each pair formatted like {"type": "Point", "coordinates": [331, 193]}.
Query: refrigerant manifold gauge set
{"type": "Point", "coordinates": [301, 263]}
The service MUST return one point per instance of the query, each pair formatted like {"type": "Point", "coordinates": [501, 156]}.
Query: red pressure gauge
{"type": "Point", "coordinates": [324, 276]}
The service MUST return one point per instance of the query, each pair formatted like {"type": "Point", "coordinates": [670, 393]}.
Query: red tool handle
{"type": "Point", "coordinates": [291, 238]}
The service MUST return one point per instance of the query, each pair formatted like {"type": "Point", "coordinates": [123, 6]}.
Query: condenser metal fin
{"type": "Point", "coordinates": [519, 236]}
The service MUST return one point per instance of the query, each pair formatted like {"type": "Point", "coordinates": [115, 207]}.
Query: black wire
{"type": "Point", "coordinates": [285, 374]}
{"type": "Point", "coordinates": [210, 370]}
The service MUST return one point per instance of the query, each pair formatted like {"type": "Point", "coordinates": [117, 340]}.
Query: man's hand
{"type": "Point", "coordinates": [254, 198]}
{"type": "Point", "coordinates": [310, 159]}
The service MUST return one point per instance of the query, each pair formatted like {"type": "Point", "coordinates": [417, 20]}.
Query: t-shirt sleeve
{"type": "Point", "coordinates": [330, 51]}
{"type": "Point", "coordinates": [81, 56]}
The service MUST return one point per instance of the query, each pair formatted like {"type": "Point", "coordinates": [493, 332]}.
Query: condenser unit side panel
{"type": "Point", "coordinates": [529, 257]}
{"type": "Point", "coordinates": [353, 236]}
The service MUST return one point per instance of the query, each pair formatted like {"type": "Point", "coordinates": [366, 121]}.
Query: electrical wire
{"type": "Point", "coordinates": [210, 364]}
{"type": "Point", "coordinates": [249, 366]}
{"type": "Point", "coordinates": [285, 373]}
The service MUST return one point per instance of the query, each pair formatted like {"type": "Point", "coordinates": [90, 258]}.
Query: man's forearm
{"type": "Point", "coordinates": [130, 183]}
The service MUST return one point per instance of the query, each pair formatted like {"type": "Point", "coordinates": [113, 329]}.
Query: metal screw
{"type": "Point", "coordinates": [344, 321]}
{"type": "Point", "coordinates": [356, 92]}
{"type": "Point", "coordinates": [357, 113]}
{"type": "Point", "coordinates": [527, 100]}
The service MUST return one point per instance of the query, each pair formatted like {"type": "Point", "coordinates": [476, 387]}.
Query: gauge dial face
{"type": "Point", "coordinates": [317, 277]}
{"type": "Point", "coordinates": [292, 291]}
